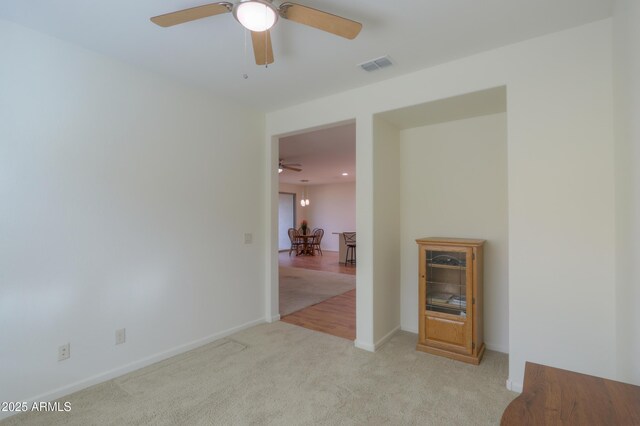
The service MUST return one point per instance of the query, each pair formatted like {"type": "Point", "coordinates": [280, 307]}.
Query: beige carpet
{"type": "Point", "coordinates": [281, 374]}
{"type": "Point", "coordinates": [300, 288]}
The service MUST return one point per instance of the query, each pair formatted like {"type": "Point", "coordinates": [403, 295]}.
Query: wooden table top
{"type": "Point", "coordinates": [552, 396]}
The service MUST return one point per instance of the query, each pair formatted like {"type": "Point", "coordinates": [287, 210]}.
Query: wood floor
{"type": "Point", "coordinates": [327, 262]}
{"type": "Point", "coordinates": [335, 316]}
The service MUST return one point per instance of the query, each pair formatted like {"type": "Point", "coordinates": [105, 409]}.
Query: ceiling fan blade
{"type": "Point", "coordinates": [324, 21]}
{"type": "Point", "coordinates": [191, 14]}
{"type": "Point", "coordinates": [295, 169]}
{"type": "Point", "coordinates": [288, 164]}
{"type": "Point", "coordinates": [262, 49]}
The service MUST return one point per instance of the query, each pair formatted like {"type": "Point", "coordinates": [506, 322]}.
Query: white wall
{"type": "Point", "coordinates": [117, 212]}
{"type": "Point", "coordinates": [332, 207]}
{"type": "Point", "coordinates": [627, 112]}
{"type": "Point", "coordinates": [561, 215]}
{"type": "Point", "coordinates": [386, 230]}
{"type": "Point", "coordinates": [560, 173]}
{"type": "Point", "coordinates": [454, 184]}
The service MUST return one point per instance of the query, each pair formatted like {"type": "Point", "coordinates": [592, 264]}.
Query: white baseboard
{"type": "Point", "coordinates": [274, 318]}
{"type": "Point", "coordinates": [365, 346]}
{"type": "Point", "coordinates": [514, 386]}
{"type": "Point", "coordinates": [496, 348]}
{"type": "Point", "coordinates": [410, 330]}
{"type": "Point", "coordinates": [380, 343]}
{"type": "Point", "coordinates": [136, 365]}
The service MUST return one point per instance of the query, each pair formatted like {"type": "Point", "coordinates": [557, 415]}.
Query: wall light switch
{"type": "Point", "coordinates": [248, 238]}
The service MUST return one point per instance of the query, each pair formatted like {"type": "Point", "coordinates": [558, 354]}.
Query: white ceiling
{"type": "Point", "coordinates": [323, 155]}
{"type": "Point", "coordinates": [209, 53]}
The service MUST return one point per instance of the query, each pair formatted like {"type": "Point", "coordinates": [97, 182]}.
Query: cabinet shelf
{"type": "Point", "coordinates": [453, 307]}
{"type": "Point", "coordinates": [438, 265]}
{"type": "Point", "coordinates": [446, 283]}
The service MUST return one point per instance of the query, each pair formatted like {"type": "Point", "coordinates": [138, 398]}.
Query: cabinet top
{"type": "Point", "coordinates": [450, 241]}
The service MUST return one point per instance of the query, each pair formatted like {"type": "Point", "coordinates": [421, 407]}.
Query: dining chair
{"type": "Point", "coordinates": [350, 242]}
{"type": "Point", "coordinates": [295, 239]}
{"type": "Point", "coordinates": [318, 233]}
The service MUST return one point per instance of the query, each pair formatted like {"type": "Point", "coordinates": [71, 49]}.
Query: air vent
{"type": "Point", "coordinates": [376, 64]}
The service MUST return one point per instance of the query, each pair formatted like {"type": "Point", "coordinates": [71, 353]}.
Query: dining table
{"type": "Point", "coordinates": [307, 245]}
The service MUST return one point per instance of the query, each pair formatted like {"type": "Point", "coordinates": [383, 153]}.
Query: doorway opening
{"type": "Point", "coordinates": [316, 285]}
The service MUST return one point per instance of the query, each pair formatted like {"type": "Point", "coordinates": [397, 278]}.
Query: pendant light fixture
{"type": "Point", "coordinates": [304, 201]}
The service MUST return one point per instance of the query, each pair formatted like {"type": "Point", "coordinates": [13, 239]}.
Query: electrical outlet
{"type": "Point", "coordinates": [64, 352]}
{"type": "Point", "coordinates": [248, 238]}
{"type": "Point", "coordinates": [120, 336]}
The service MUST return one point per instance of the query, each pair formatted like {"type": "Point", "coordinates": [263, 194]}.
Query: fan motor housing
{"type": "Point", "coordinates": [245, 13]}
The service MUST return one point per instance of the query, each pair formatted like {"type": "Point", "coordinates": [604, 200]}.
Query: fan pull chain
{"type": "Point", "coordinates": [245, 75]}
{"type": "Point", "coordinates": [266, 37]}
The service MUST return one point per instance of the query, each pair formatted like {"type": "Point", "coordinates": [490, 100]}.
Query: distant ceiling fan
{"type": "Point", "coordinates": [291, 166]}
{"type": "Point", "coordinates": [258, 16]}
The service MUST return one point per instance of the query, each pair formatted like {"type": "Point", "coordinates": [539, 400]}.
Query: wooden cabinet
{"type": "Point", "coordinates": [450, 298]}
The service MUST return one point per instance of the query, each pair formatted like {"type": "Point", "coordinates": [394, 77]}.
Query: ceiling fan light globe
{"type": "Point", "coordinates": [256, 15]}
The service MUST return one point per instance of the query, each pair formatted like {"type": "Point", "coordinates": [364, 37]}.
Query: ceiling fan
{"type": "Point", "coordinates": [258, 16]}
{"type": "Point", "coordinates": [291, 166]}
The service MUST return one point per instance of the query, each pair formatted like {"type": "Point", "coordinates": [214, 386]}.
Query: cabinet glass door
{"type": "Point", "coordinates": [447, 282]}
